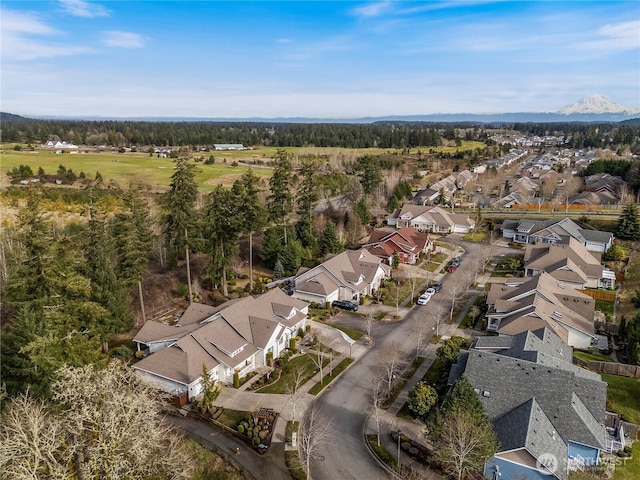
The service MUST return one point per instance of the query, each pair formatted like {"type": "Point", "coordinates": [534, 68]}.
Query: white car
{"type": "Point", "coordinates": [423, 299]}
{"type": "Point", "coordinates": [429, 291]}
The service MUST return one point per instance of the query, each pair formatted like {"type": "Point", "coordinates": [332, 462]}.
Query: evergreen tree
{"type": "Point", "coordinates": [370, 175]}
{"type": "Point", "coordinates": [629, 223]}
{"type": "Point", "coordinates": [222, 225]}
{"type": "Point", "coordinates": [330, 243]}
{"type": "Point", "coordinates": [253, 212]}
{"type": "Point", "coordinates": [361, 209]}
{"type": "Point", "coordinates": [280, 200]}
{"type": "Point", "coordinates": [272, 247]}
{"type": "Point", "coordinates": [180, 211]}
{"type": "Point", "coordinates": [306, 197]}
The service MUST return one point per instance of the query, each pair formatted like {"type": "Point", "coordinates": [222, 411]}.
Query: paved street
{"type": "Point", "coordinates": [346, 403]}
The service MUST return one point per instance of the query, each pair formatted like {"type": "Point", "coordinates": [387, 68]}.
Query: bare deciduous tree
{"type": "Point", "coordinates": [378, 396]}
{"type": "Point", "coordinates": [293, 390]}
{"type": "Point", "coordinates": [392, 360]}
{"type": "Point", "coordinates": [420, 330]}
{"type": "Point", "coordinates": [464, 443]}
{"type": "Point", "coordinates": [94, 431]}
{"type": "Point", "coordinates": [368, 318]}
{"type": "Point", "coordinates": [455, 294]}
{"type": "Point", "coordinates": [314, 432]}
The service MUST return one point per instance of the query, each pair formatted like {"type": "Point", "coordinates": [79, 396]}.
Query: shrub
{"type": "Point", "coordinates": [240, 428]}
{"type": "Point", "coordinates": [236, 380]}
{"type": "Point", "coordinates": [256, 441]}
{"type": "Point", "coordinates": [122, 352]}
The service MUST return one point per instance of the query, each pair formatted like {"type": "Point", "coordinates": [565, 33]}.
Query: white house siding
{"type": "Point", "coordinates": [461, 229]}
{"type": "Point", "coordinates": [596, 247]}
{"type": "Point", "coordinates": [316, 298]}
{"type": "Point", "coordinates": [578, 339]}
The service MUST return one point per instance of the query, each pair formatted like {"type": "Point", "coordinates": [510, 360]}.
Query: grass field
{"type": "Point", "coordinates": [123, 169]}
{"type": "Point", "coordinates": [628, 468]}
{"type": "Point", "coordinates": [622, 397]}
{"type": "Point", "coordinates": [303, 362]}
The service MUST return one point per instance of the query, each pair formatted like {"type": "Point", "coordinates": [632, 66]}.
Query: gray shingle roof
{"type": "Point", "coordinates": [534, 392]}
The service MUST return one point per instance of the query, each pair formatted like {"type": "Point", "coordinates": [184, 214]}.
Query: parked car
{"type": "Point", "coordinates": [345, 305]}
{"type": "Point", "coordinates": [437, 286]}
{"type": "Point", "coordinates": [452, 268]}
{"type": "Point", "coordinates": [429, 291]}
{"type": "Point", "coordinates": [423, 299]}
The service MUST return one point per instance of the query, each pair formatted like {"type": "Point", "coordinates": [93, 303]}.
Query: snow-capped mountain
{"type": "Point", "coordinates": [597, 104]}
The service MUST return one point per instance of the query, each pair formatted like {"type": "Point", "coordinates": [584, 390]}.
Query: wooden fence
{"type": "Point", "coordinates": [610, 368]}
{"type": "Point", "coordinates": [598, 295]}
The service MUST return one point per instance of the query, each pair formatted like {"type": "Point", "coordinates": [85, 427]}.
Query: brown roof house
{"type": "Point", "coordinates": [408, 243]}
{"type": "Point", "coordinates": [232, 338]}
{"type": "Point", "coordinates": [345, 276]}
{"type": "Point", "coordinates": [570, 263]}
{"type": "Point", "coordinates": [538, 302]}
{"type": "Point", "coordinates": [433, 219]}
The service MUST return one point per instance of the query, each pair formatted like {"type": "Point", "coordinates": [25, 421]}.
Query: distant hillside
{"type": "Point", "coordinates": [8, 117]}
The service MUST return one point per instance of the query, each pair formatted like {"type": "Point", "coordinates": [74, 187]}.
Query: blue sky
{"type": "Point", "coordinates": [330, 59]}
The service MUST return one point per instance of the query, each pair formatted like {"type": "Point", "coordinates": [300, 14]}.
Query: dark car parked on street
{"type": "Point", "coordinates": [437, 286]}
{"type": "Point", "coordinates": [345, 305]}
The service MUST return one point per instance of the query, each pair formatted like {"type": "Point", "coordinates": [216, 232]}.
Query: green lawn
{"type": "Point", "coordinates": [328, 378]}
{"type": "Point", "coordinates": [122, 169]}
{"type": "Point", "coordinates": [605, 307]}
{"type": "Point", "coordinates": [628, 468]}
{"type": "Point", "coordinates": [475, 237]}
{"type": "Point", "coordinates": [231, 418]}
{"type": "Point", "coordinates": [288, 372]}
{"type": "Point", "coordinates": [588, 356]}
{"type": "Point", "coordinates": [353, 333]}
{"type": "Point", "coordinates": [622, 397]}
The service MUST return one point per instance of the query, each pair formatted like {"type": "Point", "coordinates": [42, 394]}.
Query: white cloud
{"type": "Point", "coordinates": [23, 23]}
{"type": "Point", "coordinates": [284, 40]}
{"type": "Point", "coordinates": [19, 44]}
{"type": "Point", "coordinates": [617, 36]}
{"type": "Point", "coordinates": [81, 8]}
{"type": "Point", "coordinates": [372, 10]}
{"type": "Point", "coordinates": [117, 38]}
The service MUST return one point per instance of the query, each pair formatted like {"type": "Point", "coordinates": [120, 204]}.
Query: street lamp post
{"type": "Point", "coordinates": [399, 435]}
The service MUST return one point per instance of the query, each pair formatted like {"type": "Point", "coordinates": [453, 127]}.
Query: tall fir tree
{"type": "Point", "coordinates": [180, 210]}
{"type": "Point", "coordinates": [280, 200]}
{"type": "Point", "coordinates": [629, 223]}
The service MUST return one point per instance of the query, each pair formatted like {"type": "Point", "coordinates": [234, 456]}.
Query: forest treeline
{"type": "Point", "coordinates": [379, 134]}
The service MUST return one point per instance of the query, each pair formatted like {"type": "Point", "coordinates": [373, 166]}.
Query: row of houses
{"type": "Point", "coordinates": [241, 335]}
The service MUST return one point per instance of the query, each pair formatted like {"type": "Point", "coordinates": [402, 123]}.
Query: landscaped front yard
{"type": "Point", "coordinates": [289, 370]}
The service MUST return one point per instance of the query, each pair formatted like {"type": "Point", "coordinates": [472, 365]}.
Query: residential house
{"type": "Point", "coordinates": [407, 243]}
{"type": "Point", "coordinates": [610, 185]}
{"type": "Point", "coordinates": [514, 199]}
{"type": "Point", "coordinates": [548, 414]}
{"type": "Point", "coordinates": [542, 301]}
{"type": "Point", "coordinates": [554, 231]}
{"type": "Point", "coordinates": [568, 262]}
{"type": "Point", "coordinates": [234, 338]}
{"type": "Point", "coordinates": [60, 145]}
{"type": "Point", "coordinates": [346, 276]}
{"type": "Point", "coordinates": [433, 219]}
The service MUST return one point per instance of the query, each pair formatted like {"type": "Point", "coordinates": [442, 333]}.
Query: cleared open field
{"type": "Point", "coordinates": [124, 169]}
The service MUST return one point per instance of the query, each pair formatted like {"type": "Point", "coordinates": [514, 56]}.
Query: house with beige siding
{"type": "Point", "coordinates": [234, 338]}
{"type": "Point", "coordinates": [568, 262]}
{"type": "Point", "coordinates": [538, 302]}
{"type": "Point", "coordinates": [345, 276]}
